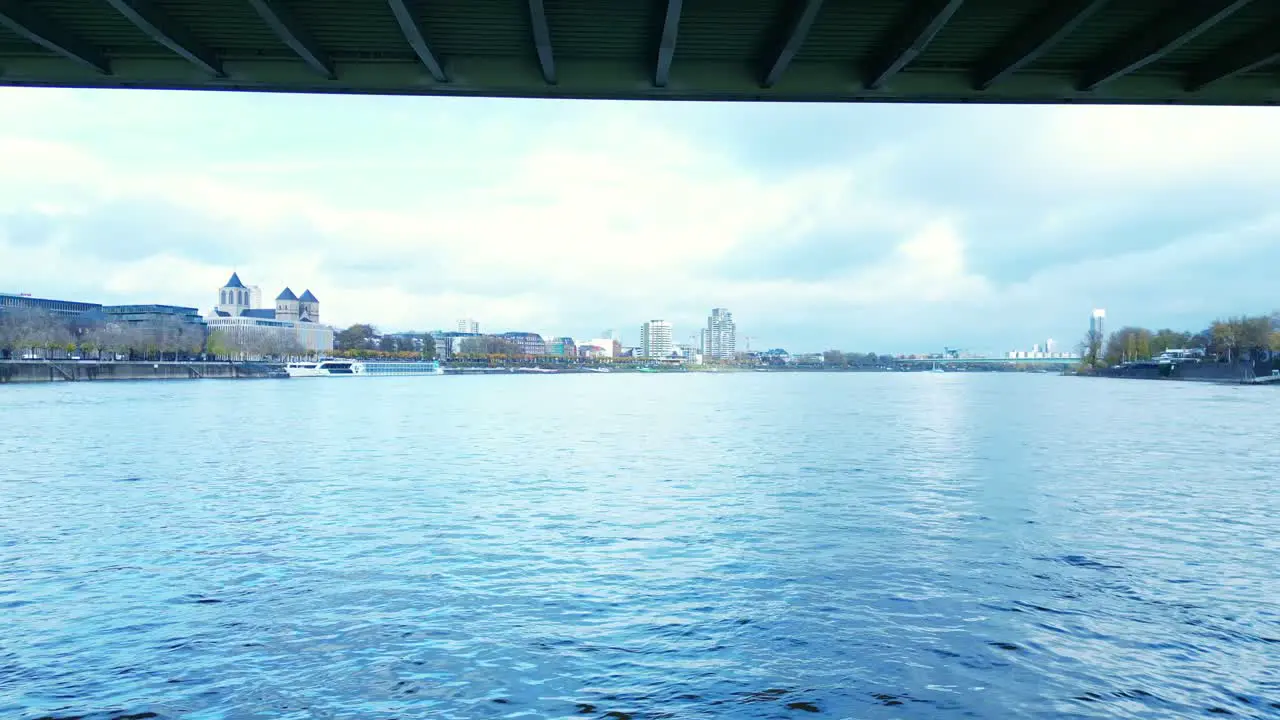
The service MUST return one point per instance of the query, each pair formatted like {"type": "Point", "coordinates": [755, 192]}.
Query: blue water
{"type": "Point", "coordinates": [608, 546]}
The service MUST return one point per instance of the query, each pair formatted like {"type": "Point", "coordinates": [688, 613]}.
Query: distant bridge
{"type": "Point", "coordinates": [990, 360]}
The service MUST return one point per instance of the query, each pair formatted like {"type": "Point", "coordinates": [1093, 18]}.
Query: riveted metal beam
{"type": "Point", "coordinates": [542, 40]}
{"type": "Point", "coordinates": [801, 23]}
{"type": "Point", "coordinates": [667, 45]}
{"type": "Point", "coordinates": [286, 27]}
{"type": "Point", "coordinates": [922, 24]}
{"type": "Point", "coordinates": [1162, 36]}
{"type": "Point", "coordinates": [20, 18]}
{"type": "Point", "coordinates": [413, 33]}
{"type": "Point", "coordinates": [150, 19]}
{"type": "Point", "coordinates": [1259, 49]}
{"type": "Point", "coordinates": [1033, 39]}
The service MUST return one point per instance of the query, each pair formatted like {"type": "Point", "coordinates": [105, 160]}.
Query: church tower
{"type": "Point", "coordinates": [287, 306]}
{"type": "Point", "coordinates": [233, 298]}
{"type": "Point", "coordinates": [308, 307]}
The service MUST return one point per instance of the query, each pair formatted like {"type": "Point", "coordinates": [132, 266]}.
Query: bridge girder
{"type": "Point", "coordinates": [26, 22]}
{"type": "Point", "coordinates": [156, 23]}
{"type": "Point", "coordinates": [801, 23]}
{"type": "Point", "coordinates": [1198, 52]}
{"type": "Point", "coordinates": [1032, 39]}
{"type": "Point", "coordinates": [278, 17]}
{"type": "Point", "coordinates": [413, 35]}
{"type": "Point", "coordinates": [1163, 35]}
{"type": "Point", "coordinates": [922, 23]}
{"type": "Point", "coordinates": [667, 45]}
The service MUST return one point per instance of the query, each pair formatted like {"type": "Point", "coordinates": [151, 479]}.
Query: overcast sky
{"type": "Point", "coordinates": [863, 227]}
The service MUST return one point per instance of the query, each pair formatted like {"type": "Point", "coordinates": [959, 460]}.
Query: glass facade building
{"type": "Point", "coordinates": [146, 314]}
{"type": "Point", "coordinates": [58, 307]}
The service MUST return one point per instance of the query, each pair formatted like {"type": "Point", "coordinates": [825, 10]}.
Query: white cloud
{"type": "Point", "coordinates": [1137, 148]}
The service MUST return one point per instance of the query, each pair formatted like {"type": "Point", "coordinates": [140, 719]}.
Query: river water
{"type": "Point", "coordinates": [613, 546]}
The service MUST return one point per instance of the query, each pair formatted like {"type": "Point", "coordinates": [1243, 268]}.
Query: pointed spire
{"type": "Point", "coordinates": [234, 282]}
{"type": "Point", "coordinates": [287, 295]}
{"type": "Point", "coordinates": [308, 297]}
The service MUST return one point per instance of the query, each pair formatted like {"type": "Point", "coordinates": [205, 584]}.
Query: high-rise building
{"type": "Point", "coordinates": [655, 339]}
{"type": "Point", "coordinates": [1096, 322]}
{"type": "Point", "coordinates": [255, 297]}
{"type": "Point", "coordinates": [469, 326]}
{"type": "Point", "coordinates": [720, 338]}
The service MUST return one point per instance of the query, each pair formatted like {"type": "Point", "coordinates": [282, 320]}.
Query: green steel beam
{"type": "Point", "coordinates": [1033, 38]}
{"type": "Point", "coordinates": [150, 19]}
{"type": "Point", "coordinates": [542, 40]}
{"type": "Point", "coordinates": [277, 16]}
{"type": "Point", "coordinates": [587, 78]}
{"type": "Point", "coordinates": [1158, 38]}
{"type": "Point", "coordinates": [667, 45]}
{"type": "Point", "coordinates": [720, 56]}
{"type": "Point", "coordinates": [1258, 50]}
{"type": "Point", "coordinates": [800, 26]}
{"type": "Point", "coordinates": [20, 18]}
{"type": "Point", "coordinates": [413, 34]}
{"type": "Point", "coordinates": [923, 22]}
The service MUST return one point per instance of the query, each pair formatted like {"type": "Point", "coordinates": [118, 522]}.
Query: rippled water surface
{"type": "Point", "coordinates": [607, 546]}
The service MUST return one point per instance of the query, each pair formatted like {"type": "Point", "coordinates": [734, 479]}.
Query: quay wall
{"type": "Point", "coordinates": [1195, 372]}
{"type": "Point", "coordinates": [34, 371]}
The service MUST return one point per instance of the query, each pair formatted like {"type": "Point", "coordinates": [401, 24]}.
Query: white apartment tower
{"type": "Point", "coordinates": [720, 337]}
{"type": "Point", "coordinates": [467, 325]}
{"type": "Point", "coordinates": [1096, 321]}
{"type": "Point", "coordinates": [655, 339]}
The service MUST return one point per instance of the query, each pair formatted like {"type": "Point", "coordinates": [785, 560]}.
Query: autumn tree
{"type": "Point", "coordinates": [360, 336]}
{"type": "Point", "coordinates": [489, 345]}
{"type": "Point", "coordinates": [1128, 344]}
{"type": "Point", "coordinates": [1167, 339]}
{"type": "Point", "coordinates": [1090, 348]}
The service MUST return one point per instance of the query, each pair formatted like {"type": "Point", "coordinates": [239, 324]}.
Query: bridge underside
{"type": "Point", "coordinates": [987, 51]}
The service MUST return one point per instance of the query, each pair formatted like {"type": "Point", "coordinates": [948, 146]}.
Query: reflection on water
{"type": "Point", "coordinates": [737, 546]}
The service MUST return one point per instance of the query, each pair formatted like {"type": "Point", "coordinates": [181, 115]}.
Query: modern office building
{"type": "Point", "coordinates": [590, 351]}
{"type": "Point", "coordinates": [720, 337]}
{"type": "Point", "coordinates": [133, 315]}
{"type": "Point", "coordinates": [449, 344]}
{"type": "Point", "coordinates": [293, 319]}
{"type": "Point", "coordinates": [152, 314]}
{"type": "Point", "coordinates": [689, 353]}
{"type": "Point", "coordinates": [66, 308]}
{"type": "Point", "coordinates": [1096, 322]}
{"type": "Point", "coordinates": [655, 339]}
{"type": "Point", "coordinates": [605, 347]}
{"type": "Point", "coordinates": [529, 343]}
{"type": "Point", "coordinates": [468, 326]}
{"type": "Point", "coordinates": [562, 347]}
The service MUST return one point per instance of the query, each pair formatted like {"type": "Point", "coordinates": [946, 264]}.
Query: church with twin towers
{"type": "Point", "coordinates": [293, 322]}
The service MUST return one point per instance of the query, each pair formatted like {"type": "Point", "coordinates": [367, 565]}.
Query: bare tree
{"type": "Point", "coordinates": [10, 334]}
{"type": "Point", "coordinates": [29, 329]}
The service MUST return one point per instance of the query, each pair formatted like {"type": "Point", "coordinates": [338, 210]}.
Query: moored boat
{"type": "Point", "coordinates": [347, 368]}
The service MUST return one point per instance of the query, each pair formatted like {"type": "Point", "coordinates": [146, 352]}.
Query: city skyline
{"type": "Point", "coordinates": [897, 237]}
{"type": "Point", "coordinates": [231, 301]}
